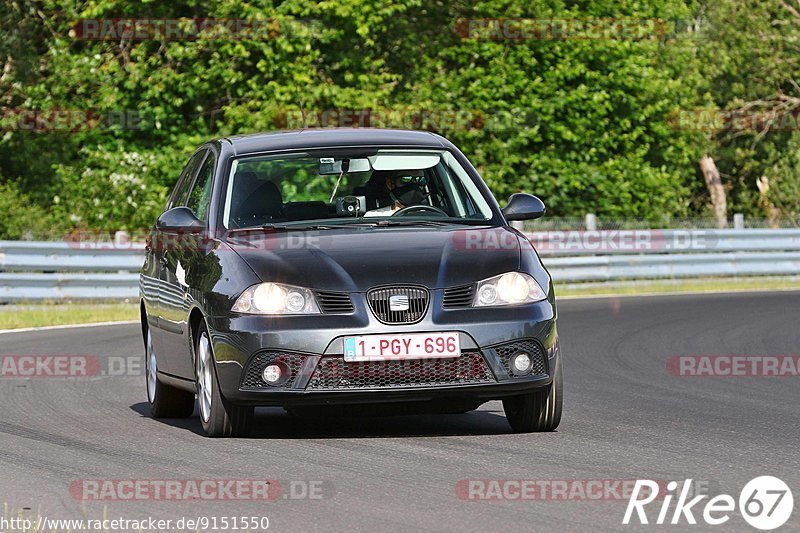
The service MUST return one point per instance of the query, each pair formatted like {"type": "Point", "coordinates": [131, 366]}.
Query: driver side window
{"type": "Point", "coordinates": [200, 197]}
{"type": "Point", "coordinates": [181, 191]}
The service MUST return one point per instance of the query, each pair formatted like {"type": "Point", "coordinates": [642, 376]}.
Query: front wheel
{"type": "Point", "coordinates": [536, 411]}
{"type": "Point", "coordinates": [219, 417]}
{"type": "Point", "coordinates": [165, 401]}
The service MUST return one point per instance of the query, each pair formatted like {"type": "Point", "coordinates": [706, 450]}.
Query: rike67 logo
{"type": "Point", "coordinates": [765, 503]}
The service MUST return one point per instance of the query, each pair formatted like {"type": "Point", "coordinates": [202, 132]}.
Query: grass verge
{"type": "Point", "coordinates": [678, 286]}
{"type": "Point", "coordinates": [36, 315]}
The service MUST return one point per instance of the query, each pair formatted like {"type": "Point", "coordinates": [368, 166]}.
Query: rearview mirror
{"type": "Point", "coordinates": [330, 166]}
{"type": "Point", "coordinates": [179, 219]}
{"type": "Point", "coordinates": [522, 206]}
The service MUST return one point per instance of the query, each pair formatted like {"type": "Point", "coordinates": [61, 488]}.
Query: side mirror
{"type": "Point", "coordinates": [522, 206]}
{"type": "Point", "coordinates": [179, 219]}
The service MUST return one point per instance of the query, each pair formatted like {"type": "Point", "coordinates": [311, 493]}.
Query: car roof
{"type": "Point", "coordinates": [331, 138]}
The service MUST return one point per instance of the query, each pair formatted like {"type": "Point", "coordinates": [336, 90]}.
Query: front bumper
{"type": "Point", "coordinates": [311, 345]}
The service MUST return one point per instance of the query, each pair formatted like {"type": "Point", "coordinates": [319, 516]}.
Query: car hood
{"type": "Point", "coordinates": [357, 259]}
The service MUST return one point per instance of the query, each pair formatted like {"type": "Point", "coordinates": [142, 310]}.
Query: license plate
{"type": "Point", "coordinates": [403, 346]}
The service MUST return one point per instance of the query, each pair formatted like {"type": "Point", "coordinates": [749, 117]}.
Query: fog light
{"type": "Point", "coordinates": [272, 374]}
{"type": "Point", "coordinates": [521, 363]}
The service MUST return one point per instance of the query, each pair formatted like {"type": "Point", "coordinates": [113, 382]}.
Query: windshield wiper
{"type": "Point", "coordinates": [429, 223]}
{"type": "Point", "coordinates": [276, 227]}
{"type": "Point", "coordinates": [297, 227]}
{"type": "Point", "coordinates": [307, 227]}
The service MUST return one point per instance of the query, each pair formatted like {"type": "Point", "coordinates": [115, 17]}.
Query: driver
{"type": "Point", "coordinates": [402, 194]}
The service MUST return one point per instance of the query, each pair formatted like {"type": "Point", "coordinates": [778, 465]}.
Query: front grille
{"type": "Point", "coordinates": [334, 373]}
{"type": "Point", "coordinates": [457, 297]}
{"type": "Point", "coordinates": [531, 347]}
{"type": "Point", "coordinates": [380, 301]}
{"type": "Point", "coordinates": [291, 361]}
{"type": "Point", "coordinates": [335, 302]}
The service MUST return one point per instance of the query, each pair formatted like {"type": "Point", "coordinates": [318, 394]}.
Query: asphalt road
{"type": "Point", "coordinates": [625, 417]}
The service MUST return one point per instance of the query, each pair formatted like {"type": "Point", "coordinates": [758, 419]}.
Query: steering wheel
{"type": "Point", "coordinates": [411, 209]}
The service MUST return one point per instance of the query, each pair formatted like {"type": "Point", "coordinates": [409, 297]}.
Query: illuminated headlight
{"type": "Point", "coordinates": [513, 288]}
{"type": "Point", "coordinates": [276, 299]}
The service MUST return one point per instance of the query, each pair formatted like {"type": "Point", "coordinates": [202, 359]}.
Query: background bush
{"type": "Point", "coordinates": [586, 124]}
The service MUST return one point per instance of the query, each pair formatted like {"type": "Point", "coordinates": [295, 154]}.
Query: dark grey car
{"type": "Point", "coordinates": [351, 266]}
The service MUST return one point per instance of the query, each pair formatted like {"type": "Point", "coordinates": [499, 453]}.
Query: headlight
{"type": "Point", "coordinates": [276, 299]}
{"type": "Point", "coordinates": [513, 288]}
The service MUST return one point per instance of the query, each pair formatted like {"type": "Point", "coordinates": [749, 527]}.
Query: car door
{"type": "Point", "coordinates": [149, 286]}
{"type": "Point", "coordinates": [158, 244]}
{"type": "Point", "coordinates": [177, 265]}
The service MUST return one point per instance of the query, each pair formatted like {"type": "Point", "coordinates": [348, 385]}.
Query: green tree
{"type": "Point", "coordinates": [588, 124]}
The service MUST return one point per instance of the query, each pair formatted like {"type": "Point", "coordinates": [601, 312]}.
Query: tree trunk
{"type": "Point", "coordinates": [714, 184]}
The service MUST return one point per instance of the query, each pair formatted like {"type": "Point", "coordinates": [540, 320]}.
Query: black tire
{"type": "Point", "coordinates": [223, 418]}
{"type": "Point", "coordinates": [537, 411]}
{"type": "Point", "coordinates": [165, 401]}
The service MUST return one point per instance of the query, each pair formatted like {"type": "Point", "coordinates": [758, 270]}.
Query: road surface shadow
{"type": "Point", "coordinates": [275, 423]}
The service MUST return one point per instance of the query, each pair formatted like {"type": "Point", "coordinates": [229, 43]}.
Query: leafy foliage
{"type": "Point", "coordinates": [585, 123]}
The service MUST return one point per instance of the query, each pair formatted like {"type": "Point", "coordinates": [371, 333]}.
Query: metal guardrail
{"type": "Point", "coordinates": [698, 241]}
{"type": "Point", "coordinates": [64, 270]}
{"type": "Point", "coordinates": [619, 255]}
{"type": "Point", "coordinates": [69, 270]}
{"type": "Point", "coordinates": [58, 286]}
{"type": "Point", "coordinates": [633, 267]}
{"type": "Point", "coordinates": [30, 256]}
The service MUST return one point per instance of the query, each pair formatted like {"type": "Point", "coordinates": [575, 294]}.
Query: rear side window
{"type": "Point", "coordinates": [181, 192]}
{"type": "Point", "coordinates": [200, 196]}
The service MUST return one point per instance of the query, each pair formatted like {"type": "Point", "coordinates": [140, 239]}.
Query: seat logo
{"type": "Point", "coordinates": [398, 302]}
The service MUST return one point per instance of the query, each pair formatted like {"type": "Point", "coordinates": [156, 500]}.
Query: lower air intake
{"type": "Point", "coordinates": [333, 373]}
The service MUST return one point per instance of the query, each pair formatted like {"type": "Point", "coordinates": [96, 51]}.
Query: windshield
{"type": "Point", "coordinates": [344, 187]}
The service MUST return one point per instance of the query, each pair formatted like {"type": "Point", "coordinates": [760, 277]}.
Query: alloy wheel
{"type": "Point", "coordinates": [204, 376]}
{"type": "Point", "coordinates": [152, 368]}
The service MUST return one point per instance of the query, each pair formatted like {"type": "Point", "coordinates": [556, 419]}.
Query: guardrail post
{"type": "Point", "coordinates": [738, 221]}
{"type": "Point", "coordinates": [121, 239]}
{"type": "Point", "coordinates": [591, 222]}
